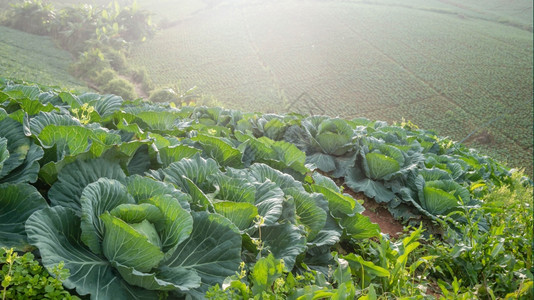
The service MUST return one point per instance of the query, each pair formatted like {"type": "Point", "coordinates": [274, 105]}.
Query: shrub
{"type": "Point", "coordinates": [117, 60]}
{"type": "Point", "coordinates": [89, 64]}
{"type": "Point", "coordinates": [23, 278]}
{"type": "Point", "coordinates": [105, 76]}
{"type": "Point", "coordinates": [140, 76]}
{"type": "Point", "coordinates": [120, 87]}
{"type": "Point", "coordinates": [31, 16]}
{"type": "Point", "coordinates": [164, 95]}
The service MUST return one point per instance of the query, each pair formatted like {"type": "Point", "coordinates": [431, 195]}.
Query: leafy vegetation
{"type": "Point", "coordinates": [431, 59]}
{"type": "Point", "coordinates": [49, 65]}
{"type": "Point", "coordinates": [98, 37]}
{"type": "Point", "coordinates": [23, 278]}
{"type": "Point", "coordinates": [140, 200]}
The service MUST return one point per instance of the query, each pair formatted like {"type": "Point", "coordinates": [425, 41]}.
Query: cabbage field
{"type": "Point", "coordinates": [35, 58]}
{"type": "Point", "coordinates": [315, 173]}
{"type": "Point", "coordinates": [139, 200]}
{"type": "Point", "coordinates": [447, 65]}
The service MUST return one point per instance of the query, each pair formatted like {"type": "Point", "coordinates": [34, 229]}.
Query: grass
{"type": "Point", "coordinates": [35, 58]}
{"type": "Point", "coordinates": [422, 61]}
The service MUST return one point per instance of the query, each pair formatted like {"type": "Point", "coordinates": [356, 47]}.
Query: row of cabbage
{"type": "Point", "coordinates": [138, 198]}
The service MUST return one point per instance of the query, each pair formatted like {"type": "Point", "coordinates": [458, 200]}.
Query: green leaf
{"type": "Point", "coordinates": [97, 198]}
{"type": "Point", "coordinates": [4, 153]}
{"type": "Point", "coordinates": [56, 233]}
{"type": "Point", "coordinates": [342, 273]}
{"type": "Point", "coordinates": [324, 162]}
{"type": "Point", "coordinates": [334, 136]}
{"type": "Point", "coordinates": [164, 279]}
{"type": "Point", "coordinates": [140, 161]}
{"type": "Point", "coordinates": [356, 263]}
{"type": "Point", "coordinates": [284, 241]}
{"type": "Point", "coordinates": [69, 140]}
{"type": "Point", "coordinates": [18, 144]}
{"type": "Point", "coordinates": [126, 246]}
{"type": "Point", "coordinates": [309, 211]}
{"type": "Point", "coordinates": [329, 234]}
{"type": "Point", "coordinates": [221, 151]}
{"type": "Point", "coordinates": [70, 99]}
{"type": "Point", "coordinates": [142, 188]}
{"type": "Point", "coordinates": [197, 169]}
{"type": "Point", "coordinates": [172, 154]}
{"type": "Point", "coordinates": [213, 250]}
{"type": "Point", "coordinates": [325, 181]}
{"type": "Point", "coordinates": [357, 182]}
{"type": "Point", "coordinates": [177, 223]}
{"type": "Point", "coordinates": [233, 189]}
{"type": "Point", "coordinates": [338, 203]}
{"type": "Point", "coordinates": [359, 227]}
{"type": "Point", "coordinates": [269, 201]}
{"type": "Point", "coordinates": [199, 200]}
{"type": "Point", "coordinates": [346, 290]}
{"type": "Point", "coordinates": [381, 165]}
{"type": "Point", "coordinates": [242, 214]}
{"type": "Point", "coordinates": [437, 201]}
{"type": "Point", "coordinates": [106, 105]}
{"type": "Point", "coordinates": [17, 203]}
{"type": "Point", "coordinates": [265, 272]}
{"type": "Point", "coordinates": [28, 170]}
{"type": "Point", "coordinates": [136, 213]}
{"type": "Point", "coordinates": [161, 121]}
{"type": "Point", "coordinates": [74, 177]}
{"type": "Point", "coordinates": [262, 172]}
{"type": "Point", "coordinates": [274, 129]}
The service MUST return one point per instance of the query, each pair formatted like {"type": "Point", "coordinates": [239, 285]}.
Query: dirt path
{"type": "Point", "coordinates": [378, 214]}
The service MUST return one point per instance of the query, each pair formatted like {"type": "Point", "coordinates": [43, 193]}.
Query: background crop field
{"type": "Point", "coordinates": [35, 59]}
{"type": "Point", "coordinates": [453, 66]}
{"type": "Point", "coordinates": [460, 67]}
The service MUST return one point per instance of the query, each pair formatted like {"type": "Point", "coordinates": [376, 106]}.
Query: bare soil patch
{"type": "Point", "coordinates": [378, 214]}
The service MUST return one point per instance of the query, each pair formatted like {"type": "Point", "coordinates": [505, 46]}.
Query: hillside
{"type": "Point", "coordinates": [439, 65]}
{"type": "Point", "coordinates": [469, 63]}
{"type": "Point", "coordinates": [327, 191]}
{"type": "Point", "coordinates": [36, 59]}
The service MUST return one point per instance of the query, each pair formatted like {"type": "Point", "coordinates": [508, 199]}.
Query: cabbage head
{"type": "Point", "coordinates": [130, 240]}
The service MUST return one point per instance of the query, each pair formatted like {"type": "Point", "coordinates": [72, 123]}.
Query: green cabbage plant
{"type": "Point", "coordinates": [130, 237]}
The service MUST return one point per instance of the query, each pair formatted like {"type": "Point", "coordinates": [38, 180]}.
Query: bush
{"type": "Point", "coordinates": [105, 76]}
{"type": "Point", "coordinates": [23, 278]}
{"type": "Point", "coordinates": [120, 87]}
{"type": "Point", "coordinates": [164, 95]}
{"type": "Point", "coordinates": [117, 60]}
{"type": "Point", "coordinates": [30, 16]}
{"type": "Point", "coordinates": [89, 64]}
{"type": "Point", "coordinates": [140, 76]}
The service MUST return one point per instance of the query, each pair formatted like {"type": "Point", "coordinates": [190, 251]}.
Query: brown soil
{"type": "Point", "coordinates": [484, 138]}
{"type": "Point", "coordinates": [378, 214]}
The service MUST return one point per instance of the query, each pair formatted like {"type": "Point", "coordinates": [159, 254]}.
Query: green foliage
{"type": "Point", "coordinates": [99, 38]}
{"type": "Point", "coordinates": [117, 60]}
{"type": "Point", "coordinates": [30, 16]}
{"type": "Point", "coordinates": [105, 76]}
{"type": "Point", "coordinates": [268, 280]}
{"type": "Point", "coordinates": [23, 278]}
{"type": "Point", "coordinates": [19, 59]}
{"type": "Point", "coordinates": [164, 95]}
{"type": "Point", "coordinates": [120, 87]}
{"type": "Point", "coordinates": [140, 76]}
{"type": "Point", "coordinates": [493, 260]}
{"type": "Point", "coordinates": [153, 201]}
{"type": "Point", "coordinates": [89, 64]}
